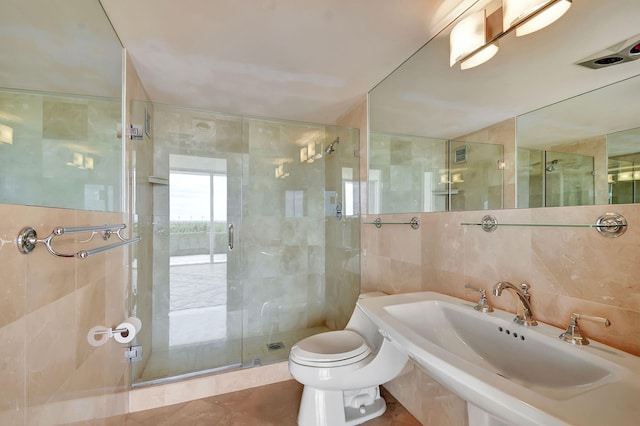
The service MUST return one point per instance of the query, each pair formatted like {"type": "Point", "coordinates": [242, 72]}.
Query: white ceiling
{"type": "Point", "coordinates": [59, 47]}
{"type": "Point", "coordinates": [308, 60]}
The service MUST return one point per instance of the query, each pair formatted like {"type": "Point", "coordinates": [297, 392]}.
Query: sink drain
{"type": "Point", "coordinates": [275, 346]}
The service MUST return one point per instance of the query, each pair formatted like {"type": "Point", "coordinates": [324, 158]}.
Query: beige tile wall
{"type": "Point", "coordinates": [50, 373]}
{"type": "Point", "coordinates": [569, 270]}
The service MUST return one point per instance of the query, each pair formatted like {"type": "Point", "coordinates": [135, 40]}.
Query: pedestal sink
{"type": "Point", "coordinates": [508, 373]}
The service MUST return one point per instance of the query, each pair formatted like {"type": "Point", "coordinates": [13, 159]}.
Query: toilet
{"type": "Point", "coordinates": [341, 372]}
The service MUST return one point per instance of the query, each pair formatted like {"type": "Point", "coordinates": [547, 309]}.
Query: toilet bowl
{"type": "Point", "coordinates": [341, 372]}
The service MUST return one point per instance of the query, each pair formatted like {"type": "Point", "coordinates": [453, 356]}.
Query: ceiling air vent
{"type": "Point", "coordinates": [625, 51]}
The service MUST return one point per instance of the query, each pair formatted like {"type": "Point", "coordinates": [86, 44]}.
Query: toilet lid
{"type": "Point", "coordinates": [331, 346]}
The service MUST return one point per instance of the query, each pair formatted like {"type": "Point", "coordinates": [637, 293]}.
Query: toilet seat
{"type": "Point", "coordinates": [330, 349]}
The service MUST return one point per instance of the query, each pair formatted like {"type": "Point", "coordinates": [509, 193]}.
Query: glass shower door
{"type": "Point", "coordinates": [195, 314]}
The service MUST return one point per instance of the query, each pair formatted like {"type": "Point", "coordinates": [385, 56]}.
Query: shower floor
{"type": "Point", "coordinates": [206, 357]}
{"type": "Point", "coordinates": [198, 340]}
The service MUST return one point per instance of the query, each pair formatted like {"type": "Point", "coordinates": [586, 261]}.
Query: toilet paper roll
{"type": "Point", "coordinates": [98, 336]}
{"type": "Point", "coordinates": [132, 325]}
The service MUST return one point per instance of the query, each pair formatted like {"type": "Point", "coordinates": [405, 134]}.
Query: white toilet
{"type": "Point", "coordinates": [341, 372]}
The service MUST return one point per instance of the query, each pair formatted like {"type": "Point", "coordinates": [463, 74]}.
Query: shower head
{"type": "Point", "coordinates": [551, 166]}
{"type": "Point", "coordinates": [331, 148]}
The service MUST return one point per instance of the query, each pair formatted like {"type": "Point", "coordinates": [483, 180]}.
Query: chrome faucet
{"type": "Point", "coordinates": [524, 314]}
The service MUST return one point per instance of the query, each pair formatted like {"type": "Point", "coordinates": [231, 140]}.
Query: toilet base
{"type": "Point", "coordinates": [339, 408]}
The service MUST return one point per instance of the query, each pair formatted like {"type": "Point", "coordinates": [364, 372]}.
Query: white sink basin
{"type": "Point", "coordinates": [521, 375]}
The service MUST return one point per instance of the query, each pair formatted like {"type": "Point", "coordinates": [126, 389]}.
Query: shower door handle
{"type": "Point", "coordinates": [231, 232]}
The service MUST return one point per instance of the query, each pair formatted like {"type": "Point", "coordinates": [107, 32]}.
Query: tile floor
{"type": "Point", "coordinates": [271, 405]}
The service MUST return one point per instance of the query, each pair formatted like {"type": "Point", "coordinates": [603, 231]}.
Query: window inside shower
{"type": "Point", "coordinates": [197, 256]}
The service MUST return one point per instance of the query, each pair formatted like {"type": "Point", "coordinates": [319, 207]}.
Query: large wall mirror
{"type": "Point", "coordinates": [60, 106]}
{"type": "Point", "coordinates": [529, 128]}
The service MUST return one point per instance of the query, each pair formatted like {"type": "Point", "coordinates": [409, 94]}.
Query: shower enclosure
{"type": "Point", "coordinates": [255, 240]}
{"type": "Point", "coordinates": [554, 179]}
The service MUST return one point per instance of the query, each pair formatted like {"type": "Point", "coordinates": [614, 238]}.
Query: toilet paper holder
{"type": "Point", "coordinates": [125, 332]}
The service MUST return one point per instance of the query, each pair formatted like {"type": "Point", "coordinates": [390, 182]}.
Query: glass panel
{"type": "Point", "coordinates": [196, 291]}
{"type": "Point", "coordinates": [60, 151]}
{"type": "Point", "coordinates": [530, 178]}
{"type": "Point", "coordinates": [407, 173]}
{"type": "Point", "coordinates": [61, 74]}
{"type": "Point", "coordinates": [475, 176]}
{"type": "Point", "coordinates": [623, 166]}
{"type": "Point", "coordinates": [294, 189]}
{"type": "Point", "coordinates": [283, 217]}
{"type": "Point", "coordinates": [568, 179]}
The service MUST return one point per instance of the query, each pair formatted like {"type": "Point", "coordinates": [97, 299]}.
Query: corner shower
{"type": "Point", "coordinates": [248, 254]}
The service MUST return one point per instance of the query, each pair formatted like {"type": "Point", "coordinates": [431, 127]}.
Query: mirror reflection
{"type": "Point", "coordinates": [60, 107]}
{"type": "Point", "coordinates": [558, 115]}
{"type": "Point", "coordinates": [575, 152]}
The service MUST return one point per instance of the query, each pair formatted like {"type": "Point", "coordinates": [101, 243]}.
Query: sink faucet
{"type": "Point", "coordinates": [524, 314]}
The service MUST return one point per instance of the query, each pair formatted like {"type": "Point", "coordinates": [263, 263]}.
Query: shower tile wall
{"type": "Point", "coordinates": [403, 162]}
{"type": "Point", "coordinates": [283, 230]}
{"type": "Point", "coordinates": [502, 133]}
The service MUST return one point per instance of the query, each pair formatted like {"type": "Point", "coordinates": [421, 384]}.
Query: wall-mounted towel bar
{"type": "Point", "coordinates": [610, 225]}
{"type": "Point", "coordinates": [414, 223]}
{"type": "Point", "coordinates": [28, 238]}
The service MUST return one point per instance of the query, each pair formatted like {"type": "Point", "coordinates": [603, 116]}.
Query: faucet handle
{"type": "Point", "coordinates": [573, 334]}
{"type": "Point", "coordinates": [483, 304]}
{"type": "Point", "coordinates": [525, 291]}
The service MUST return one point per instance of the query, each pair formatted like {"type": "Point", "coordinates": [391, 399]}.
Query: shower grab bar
{"type": "Point", "coordinates": [414, 223]}
{"type": "Point", "coordinates": [610, 225]}
{"type": "Point", "coordinates": [28, 239]}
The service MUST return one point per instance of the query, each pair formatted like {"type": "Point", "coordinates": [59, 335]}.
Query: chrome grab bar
{"type": "Point", "coordinates": [28, 239]}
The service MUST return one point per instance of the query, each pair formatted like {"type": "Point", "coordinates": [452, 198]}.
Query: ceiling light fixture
{"type": "Point", "coordinates": [474, 41]}
{"type": "Point", "coordinates": [468, 42]}
{"type": "Point", "coordinates": [6, 134]}
{"type": "Point", "coordinates": [529, 16]}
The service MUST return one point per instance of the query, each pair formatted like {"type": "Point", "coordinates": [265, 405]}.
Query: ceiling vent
{"type": "Point", "coordinates": [625, 51]}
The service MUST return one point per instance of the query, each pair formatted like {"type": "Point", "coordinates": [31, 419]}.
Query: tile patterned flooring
{"type": "Point", "coordinates": [271, 405]}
